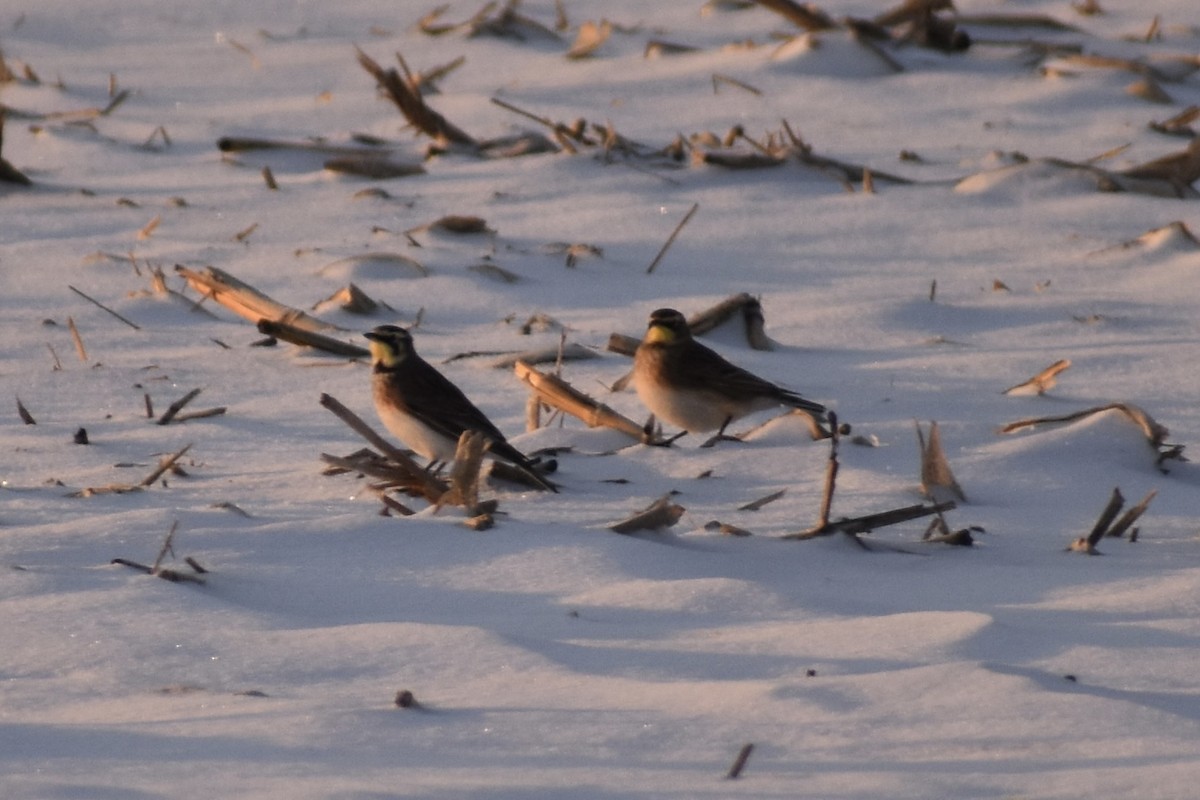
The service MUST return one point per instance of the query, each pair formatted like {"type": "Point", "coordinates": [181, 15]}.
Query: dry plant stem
{"type": "Point", "coordinates": [1154, 432]}
{"type": "Point", "coordinates": [554, 355]}
{"type": "Point", "coordinates": [1131, 516]}
{"type": "Point", "coordinates": [559, 394]}
{"type": "Point", "coordinates": [464, 473]}
{"type": "Point", "coordinates": [807, 17]}
{"type": "Point", "coordinates": [1115, 502]}
{"type": "Point", "coordinates": [412, 106]}
{"type": "Point", "coordinates": [563, 134]}
{"type": "Point", "coordinates": [831, 471]}
{"type": "Point", "coordinates": [100, 305]}
{"type": "Point", "coordinates": [372, 166]}
{"type": "Point", "coordinates": [307, 338]}
{"type": "Point", "coordinates": [430, 487]}
{"type": "Point", "coordinates": [75, 337]}
{"type": "Point", "coordinates": [80, 115]}
{"type": "Point", "coordinates": [671, 239]}
{"type": "Point", "coordinates": [246, 301]}
{"type": "Point", "coordinates": [625, 345]}
{"type": "Point", "coordinates": [718, 79]}
{"type": "Point", "coordinates": [390, 474]}
{"type": "Point", "coordinates": [745, 304]}
{"type": "Point", "coordinates": [177, 406]}
{"type": "Point", "coordinates": [164, 465]}
{"type": "Point", "coordinates": [755, 505]}
{"type": "Point", "coordinates": [393, 504]}
{"type": "Point", "coordinates": [233, 144]}
{"type": "Point", "coordinates": [712, 317]}
{"type": "Point", "coordinates": [869, 522]}
{"type": "Point", "coordinates": [205, 414]}
{"type": "Point", "coordinates": [848, 173]}
{"type": "Point", "coordinates": [166, 548]}
{"type": "Point", "coordinates": [149, 405]}
{"type": "Point", "coordinates": [739, 763]}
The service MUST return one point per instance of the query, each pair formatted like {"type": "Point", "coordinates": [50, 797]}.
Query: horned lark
{"type": "Point", "coordinates": [688, 385]}
{"type": "Point", "coordinates": [425, 410]}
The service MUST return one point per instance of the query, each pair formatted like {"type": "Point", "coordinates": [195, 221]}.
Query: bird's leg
{"type": "Point", "coordinates": [651, 434]}
{"type": "Point", "coordinates": [666, 442]}
{"type": "Point", "coordinates": [720, 435]}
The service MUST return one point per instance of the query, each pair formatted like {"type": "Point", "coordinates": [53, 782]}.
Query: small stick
{"type": "Point", "coordinates": [869, 522]}
{"type": "Point", "coordinates": [269, 177]}
{"type": "Point", "coordinates": [620, 343]}
{"type": "Point", "coordinates": [718, 79]}
{"type": "Point", "coordinates": [98, 304]}
{"type": "Point", "coordinates": [233, 144]}
{"type": "Point", "coordinates": [395, 505]}
{"type": "Point", "coordinates": [308, 338]}
{"type": "Point", "coordinates": [166, 547]}
{"type": "Point", "coordinates": [208, 412]}
{"type": "Point", "coordinates": [148, 230]}
{"type": "Point", "coordinates": [739, 763]}
{"type": "Point", "coordinates": [755, 505]}
{"type": "Point", "coordinates": [831, 471]}
{"type": "Point", "coordinates": [79, 348]}
{"type": "Point", "coordinates": [57, 364]}
{"type": "Point", "coordinates": [165, 465]}
{"type": "Point", "coordinates": [195, 565]}
{"type": "Point", "coordinates": [149, 405]}
{"type": "Point", "coordinates": [125, 562]}
{"type": "Point", "coordinates": [557, 393]}
{"type": "Point", "coordinates": [178, 405]}
{"type": "Point", "coordinates": [671, 239]}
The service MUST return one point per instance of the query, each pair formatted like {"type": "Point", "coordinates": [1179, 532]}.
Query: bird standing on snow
{"type": "Point", "coordinates": [689, 385]}
{"type": "Point", "coordinates": [425, 410]}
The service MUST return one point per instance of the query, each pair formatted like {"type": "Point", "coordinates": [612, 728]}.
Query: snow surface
{"type": "Point", "coordinates": [550, 657]}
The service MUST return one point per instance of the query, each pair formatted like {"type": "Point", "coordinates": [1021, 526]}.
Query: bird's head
{"type": "Point", "coordinates": [667, 326]}
{"type": "Point", "coordinates": [390, 345]}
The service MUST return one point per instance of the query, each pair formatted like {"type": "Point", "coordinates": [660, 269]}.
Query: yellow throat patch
{"type": "Point", "coordinates": [659, 334]}
{"type": "Point", "coordinates": [382, 353]}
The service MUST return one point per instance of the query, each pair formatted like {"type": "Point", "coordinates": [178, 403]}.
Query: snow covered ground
{"type": "Point", "coordinates": [550, 657]}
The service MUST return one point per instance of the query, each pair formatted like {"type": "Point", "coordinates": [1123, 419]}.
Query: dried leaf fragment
{"type": "Point", "coordinates": [350, 299]}
{"type": "Point", "coordinates": [937, 479]}
{"type": "Point", "coordinates": [662, 513]}
{"type": "Point", "coordinates": [590, 37]}
{"type": "Point", "coordinates": [1041, 383]}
